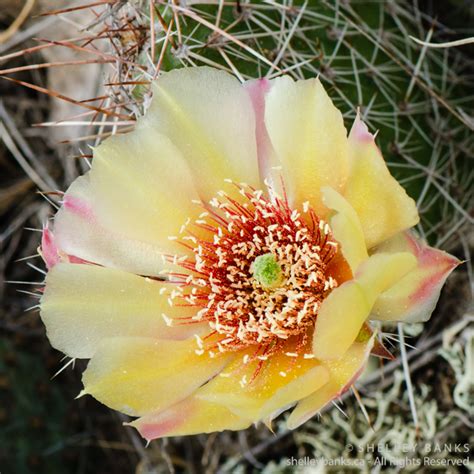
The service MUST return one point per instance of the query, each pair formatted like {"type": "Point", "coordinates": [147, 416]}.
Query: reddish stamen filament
{"type": "Point", "coordinates": [239, 309]}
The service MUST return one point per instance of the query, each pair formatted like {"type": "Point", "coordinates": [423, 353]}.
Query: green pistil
{"type": "Point", "coordinates": [267, 271]}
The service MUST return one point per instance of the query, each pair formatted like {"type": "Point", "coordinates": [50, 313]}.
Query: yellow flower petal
{"type": "Point", "coordinates": [414, 297]}
{"type": "Point", "coordinates": [83, 304]}
{"type": "Point", "coordinates": [257, 90]}
{"type": "Point", "coordinates": [294, 390]}
{"type": "Point", "coordinates": [346, 228]}
{"type": "Point", "coordinates": [209, 116]}
{"type": "Point", "coordinates": [282, 380]}
{"type": "Point", "coordinates": [142, 187]}
{"type": "Point", "coordinates": [308, 135]}
{"type": "Point", "coordinates": [341, 374]}
{"type": "Point", "coordinates": [346, 308]}
{"type": "Point", "coordinates": [188, 417]}
{"type": "Point", "coordinates": [339, 320]}
{"type": "Point", "coordinates": [383, 206]}
{"type": "Point", "coordinates": [140, 375]}
{"type": "Point", "coordinates": [204, 126]}
{"type": "Point", "coordinates": [383, 270]}
{"type": "Point", "coordinates": [78, 232]}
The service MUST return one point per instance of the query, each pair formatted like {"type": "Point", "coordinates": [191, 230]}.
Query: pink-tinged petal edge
{"type": "Point", "coordinates": [257, 89]}
{"type": "Point", "coordinates": [160, 428]}
{"type": "Point", "coordinates": [187, 417]}
{"type": "Point", "coordinates": [78, 206]}
{"type": "Point", "coordinates": [168, 421]}
{"type": "Point", "coordinates": [360, 132]}
{"type": "Point", "coordinates": [417, 304]}
{"type": "Point", "coordinates": [49, 250]}
{"type": "Point", "coordinates": [440, 264]}
{"type": "Point", "coordinates": [82, 209]}
{"type": "Point", "coordinates": [363, 363]}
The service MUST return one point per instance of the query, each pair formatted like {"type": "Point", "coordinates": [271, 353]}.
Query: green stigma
{"type": "Point", "coordinates": [267, 271]}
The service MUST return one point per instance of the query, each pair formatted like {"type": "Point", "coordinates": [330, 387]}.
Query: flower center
{"type": "Point", "coordinates": [259, 270]}
{"type": "Point", "coordinates": [267, 271]}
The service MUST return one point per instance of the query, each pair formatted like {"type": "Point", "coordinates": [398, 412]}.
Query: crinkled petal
{"type": "Point", "coordinates": [209, 116]}
{"type": "Point", "coordinates": [344, 311]}
{"type": "Point", "coordinates": [342, 373]}
{"type": "Point", "coordinates": [188, 417]}
{"type": "Point", "coordinates": [308, 135]}
{"type": "Point", "coordinates": [383, 206]}
{"type": "Point", "coordinates": [139, 375]}
{"type": "Point", "coordinates": [346, 228]}
{"type": "Point", "coordinates": [414, 297]}
{"type": "Point", "coordinates": [142, 187]}
{"type": "Point", "coordinates": [257, 389]}
{"type": "Point", "coordinates": [78, 232]}
{"type": "Point", "coordinates": [83, 304]}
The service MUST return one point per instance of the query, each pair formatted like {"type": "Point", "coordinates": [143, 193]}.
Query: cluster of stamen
{"type": "Point", "coordinates": [259, 269]}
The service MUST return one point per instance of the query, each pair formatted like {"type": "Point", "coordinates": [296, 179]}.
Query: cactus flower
{"type": "Point", "coordinates": [222, 262]}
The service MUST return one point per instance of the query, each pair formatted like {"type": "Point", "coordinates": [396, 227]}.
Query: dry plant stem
{"type": "Point", "coordinates": [19, 20]}
{"type": "Point", "coordinates": [32, 165]}
{"type": "Point", "coordinates": [29, 170]}
{"type": "Point", "coordinates": [406, 371]}
{"type": "Point", "coordinates": [448, 44]}
{"type": "Point", "coordinates": [27, 34]}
